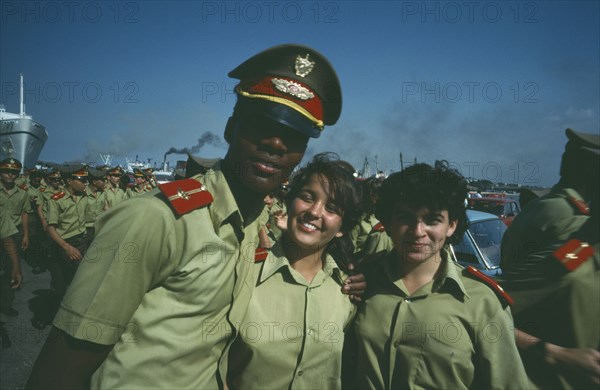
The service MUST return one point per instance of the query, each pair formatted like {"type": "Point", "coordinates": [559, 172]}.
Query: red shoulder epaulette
{"type": "Point", "coordinates": [186, 195]}
{"type": "Point", "coordinates": [23, 187]}
{"type": "Point", "coordinates": [42, 189]}
{"type": "Point", "coordinates": [572, 254]}
{"type": "Point", "coordinates": [503, 295]}
{"type": "Point", "coordinates": [579, 205]}
{"type": "Point", "coordinates": [58, 195]}
{"type": "Point", "coordinates": [378, 228]}
{"type": "Point", "coordinates": [260, 255]}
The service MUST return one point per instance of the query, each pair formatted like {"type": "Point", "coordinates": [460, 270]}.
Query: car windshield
{"type": "Point", "coordinates": [488, 237]}
{"type": "Point", "coordinates": [489, 207]}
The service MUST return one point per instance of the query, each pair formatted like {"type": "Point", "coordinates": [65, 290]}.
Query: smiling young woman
{"type": "Point", "coordinates": [297, 314]}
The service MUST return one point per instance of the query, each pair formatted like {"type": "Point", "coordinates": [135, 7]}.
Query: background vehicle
{"type": "Point", "coordinates": [480, 245]}
{"type": "Point", "coordinates": [505, 208]}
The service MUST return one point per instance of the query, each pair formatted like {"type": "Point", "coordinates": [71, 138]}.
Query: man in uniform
{"type": "Point", "coordinates": [159, 282]}
{"type": "Point", "coordinates": [114, 193]}
{"type": "Point", "coordinates": [36, 230]}
{"type": "Point", "coordinates": [551, 268]}
{"type": "Point", "coordinates": [140, 186]}
{"type": "Point", "coordinates": [16, 203]}
{"type": "Point", "coordinates": [96, 197]}
{"type": "Point", "coordinates": [150, 177]}
{"type": "Point", "coordinates": [67, 223]}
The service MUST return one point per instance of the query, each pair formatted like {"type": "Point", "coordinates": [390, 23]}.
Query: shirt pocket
{"type": "Point", "coordinates": [446, 362]}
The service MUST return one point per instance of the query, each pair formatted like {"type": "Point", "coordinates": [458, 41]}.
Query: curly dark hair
{"type": "Point", "coordinates": [343, 188]}
{"type": "Point", "coordinates": [421, 185]}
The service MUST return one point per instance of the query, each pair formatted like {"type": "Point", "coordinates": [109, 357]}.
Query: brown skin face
{"type": "Point", "coordinates": [263, 153]}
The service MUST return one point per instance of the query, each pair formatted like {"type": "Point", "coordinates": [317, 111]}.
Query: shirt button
{"type": "Point", "coordinates": [300, 373]}
{"type": "Point", "coordinates": [310, 331]}
{"type": "Point", "coordinates": [407, 300]}
{"type": "Point", "coordinates": [396, 343]}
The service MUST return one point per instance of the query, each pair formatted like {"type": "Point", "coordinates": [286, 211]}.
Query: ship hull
{"type": "Point", "coordinates": [23, 139]}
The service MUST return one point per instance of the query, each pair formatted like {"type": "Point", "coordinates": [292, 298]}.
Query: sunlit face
{"type": "Point", "coordinates": [77, 185]}
{"type": "Point", "coordinates": [419, 234]}
{"type": "Point", "coordinates": [264, 152]}
{"type": "Point", "coordinates": [114, 179]}
{"type": "Point", "coordinates": [140, 181]}
{"type": "Point", "coordinates": [54, 183]}
{"type": "Point", "coordinates": [8, 177]}
{"type": "Point", "coordinates": [314, 219]}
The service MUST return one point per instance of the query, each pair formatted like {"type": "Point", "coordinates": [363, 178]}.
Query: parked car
{"type": "Point", "coordinates": [480, 245]}
{"type": "Point", "coordinates": [505, 208]}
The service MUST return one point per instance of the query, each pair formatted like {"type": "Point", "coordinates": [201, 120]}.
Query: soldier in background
{"type": "Point", "coordinates": [551, 267]}
{"type": "Point", "coordinates": [96, 198]}
{"type": "Point", "coordinates": [15, 202]}
{"type": "Point", "coordinates": [140, 185]}
{"type": "Point", "coordinates": [149, 172]}
{"type": "Point", "coordinates": [114, 193]}
{"type": "Point", "coordinates": [35, 190]}
{"type": "Point", "coordinates": [67, 223]}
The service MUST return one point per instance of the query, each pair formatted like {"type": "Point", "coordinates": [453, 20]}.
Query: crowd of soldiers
{"type": "Point", "coordinates": [187, 289]}
{"type": "Point", "coordinates": [48, 218]}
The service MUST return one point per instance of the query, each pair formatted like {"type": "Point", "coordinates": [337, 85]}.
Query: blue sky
{"type": "Point", "coordinates": [489, 86]}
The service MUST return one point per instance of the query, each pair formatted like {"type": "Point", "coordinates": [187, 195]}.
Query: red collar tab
{"type": "Point", "coordinates": [58, 195]}
{"type": "Point", "coordinates": [579, 205]}
{"type": "Point", "coordinates": [378, 228]}
{"type": "Point", "coordinates": [503, 295]}
{"type": "Point", "coordinates": [574, 253]}
{"type": "Point", "coordinates": [186, 195]}
{"type": "Point", "coordinates": [260, 255]}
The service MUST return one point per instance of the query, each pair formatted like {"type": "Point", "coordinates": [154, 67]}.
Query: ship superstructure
{"type": "Point", "coordinates": [20, 136]}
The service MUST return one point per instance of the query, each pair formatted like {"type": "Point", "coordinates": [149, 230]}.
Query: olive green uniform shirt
{"type": "Point", "coordinates": [293, 332]}
{"type": "Point", "coordinates": [135, 191]}
{"type": "Point", "coordinates": [537, 228]}
{"type": "Point", "coordinates": [67, 214]}
{"type": "Point", "coordinates": [7, 227]}
{"type": "Point", "coordinates": [551, 303]}
{"type": "Point", "coordinates": [46, 195]}
{"type": "Point", "coordinates": [452, 333]}
{"type": "Point", "coordinates": [114, 196]}
{"type": "Point", "coordinates": [361, 231]}
{"type": "Point", "coordinates": [96, 201]}
{"type": "Point", "coordinates": [16, 201]}
{"type": "Point", "coordinates": [159, 286]}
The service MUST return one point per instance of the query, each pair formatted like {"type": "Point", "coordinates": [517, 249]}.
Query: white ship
{"type": "Point", "coordinates": [21, 137]}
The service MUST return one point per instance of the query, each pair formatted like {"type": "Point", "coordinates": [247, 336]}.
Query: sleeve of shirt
{"type": "Point", "coordinates": [53, 212]}
{"type": "Point", "coordinates": [133, 251]}
{"type": "Point", "coordinates": [498, 363]}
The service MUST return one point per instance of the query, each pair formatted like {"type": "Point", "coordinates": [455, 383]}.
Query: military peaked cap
{"type": "Point", "coordinates": [10, 164]}
{"type": "Point", "coordinates": [292, 84]}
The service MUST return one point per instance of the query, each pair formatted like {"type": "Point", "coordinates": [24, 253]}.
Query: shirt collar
{"type": "Point", "coordinates": [225, 206]}
{"type": "Point", "coordinates": [449, 281]}
{"type": "Point", "coordinates": [277, 261]}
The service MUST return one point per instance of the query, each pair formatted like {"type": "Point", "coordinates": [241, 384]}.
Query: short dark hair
{"type": "Point", "coordinates": [421, 185]}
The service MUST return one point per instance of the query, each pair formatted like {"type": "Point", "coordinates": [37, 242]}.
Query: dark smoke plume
{"type": "Point", "coordinates": [206, 138]}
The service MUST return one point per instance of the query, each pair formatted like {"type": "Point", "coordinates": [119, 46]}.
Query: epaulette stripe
{"type": "Point", "coordinates": [260, 255]}
{"type": "Point", "coordinates": [378, 228]}
{"type": "Point", "coordinates": [491, 283]}
{"type": "Point", "coordinates": [572, 254]}
{"type": "Point", "coordinates": [580, 205]}
{"type": "Point", "coordinates": [186, 194]}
